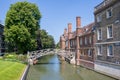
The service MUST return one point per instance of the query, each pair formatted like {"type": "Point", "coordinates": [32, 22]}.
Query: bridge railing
{"type": "Point", "coordinates": [42, 52]}
{"type": "Point", "coordinates": [66, 54]}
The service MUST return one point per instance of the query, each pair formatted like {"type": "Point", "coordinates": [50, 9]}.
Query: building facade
{"type": "Point", "coordinates": [2, 44]}
{"type": "Point", "coordinates": [81, 42]}
{"type": "Point", "coordinates": [86, 42]}
{"type": "Point", "coordinates": [107, 22]}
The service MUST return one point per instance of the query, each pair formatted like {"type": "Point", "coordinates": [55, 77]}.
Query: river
{"type": "Point", "coordinates": [50, 68]}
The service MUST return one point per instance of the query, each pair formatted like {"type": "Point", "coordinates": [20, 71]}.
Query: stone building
{"type": "Point", "coordinates": [81, 42]}
{"type": "Point", "coordinates": [2, 44]}
{"type": "Point", "coordinates": [107, 22]}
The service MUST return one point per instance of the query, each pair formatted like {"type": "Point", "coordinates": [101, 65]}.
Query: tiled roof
{"type": "Point", "coordinates": [85, 30]}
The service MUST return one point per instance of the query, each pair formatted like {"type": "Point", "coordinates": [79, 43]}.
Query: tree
{"type": "Point", "coordinates": [39, 45]}
{"type": "Point", "coordinates": [51, 41]}
{"type": "Point", "coordinates": [21, 23]}
{"type": "Point", "coordinates": [58, 45]}
{"type": "Point", "coordinates": [46, 40]}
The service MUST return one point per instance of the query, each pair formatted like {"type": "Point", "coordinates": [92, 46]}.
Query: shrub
{"type": "Point", "coordinates": [15, 57]}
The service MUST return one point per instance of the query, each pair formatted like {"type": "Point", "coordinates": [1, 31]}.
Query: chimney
{"type": "Point", "coordinates": [65, 31]}
{"type": "Point", "coordinates": [78, 22]}
{"type": "Point", "coordinates": [69, 27]}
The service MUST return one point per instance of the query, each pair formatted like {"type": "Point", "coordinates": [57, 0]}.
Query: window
{"type": "Point", "coordinates": [99, 18]}
{"type": "Point", "coordinates": [110, 50]}
{"type": "Point", "coordinates": [109, 31]}
{"type": "Point", "coordinates": [89, 52]}
{"type": "Point", "coordinates": [85, 40]}
{"type": "Point", "coordinates": [99, 50]}
{"type": "Point", "coordinates": [66, 43]}
{"type": "Point", "coordinates": [71, 43]}
{"type": "Point", "coordinates": [82, 52]}
{"type": "Point", "coordinates": [99, 34]}
{"type": "Point", "coordinates": [90, 39]}
{"type": "Point", "coordinates": [109, 13]}
{"type": "Point", "coordinates": [0, 39]}
{"type": "Point", "coordinates": [80, 41]}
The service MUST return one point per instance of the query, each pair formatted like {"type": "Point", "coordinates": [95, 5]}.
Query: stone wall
{"type": "Point", "coordinates": [114, 20]}
{"type": "Point", "coordinates": [108, 69]}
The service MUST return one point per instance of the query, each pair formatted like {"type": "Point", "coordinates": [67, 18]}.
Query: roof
{"type": "Point", "coordinates": [88, 29]}
{"type": "Point", "coordinates": [85, 30]}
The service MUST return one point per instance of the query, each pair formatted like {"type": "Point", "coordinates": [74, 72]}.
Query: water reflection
{"type": "Point", "coordinates": [50, 68]}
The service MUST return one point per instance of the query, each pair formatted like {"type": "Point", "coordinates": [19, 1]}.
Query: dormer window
{"type": "Point", "coordinates": [109, 13]}
{"type": "Point", "coordinates": [99, 18]}
{"type": "Point", "coordinates": [86, 29]}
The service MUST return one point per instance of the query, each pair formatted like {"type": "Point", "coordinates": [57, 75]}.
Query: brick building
{"type": "Point", "coordinates": [86, 42]}
{"type": "Point", "coordinates": [107, 22]}
{"type": "Point", "coordinates": [81, 42]}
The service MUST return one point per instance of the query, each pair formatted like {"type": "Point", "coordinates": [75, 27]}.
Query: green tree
{"type": "Point", "coordinates": [21, 23]}
{"type": "Point", "coordinates": [57, 45]}
{"type": "Point", "coordinates": [46, 40]}
{"type": "Point", "coordinates": [51, 41]}
{"type": "Point", "coordinates": [39, 45]}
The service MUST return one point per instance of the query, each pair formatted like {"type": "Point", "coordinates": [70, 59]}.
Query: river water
{"type": "Point", "coordinates": [50, 68]}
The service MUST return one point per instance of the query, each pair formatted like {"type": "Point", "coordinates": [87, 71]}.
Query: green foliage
{"type": "Point", "coordinates": [39, 45]}
{"type": "Point", "coordinates": [16, 34]}
{"type": "Point", "coordinates": [23, 13]}
{"type": "Point", "coordinates": [57, 45]}
{"type": "Point", "coordinates": [14, 57]}
{"type": "Point", "coordinates": [47, 40]}
{"type": "Point", "coordinates": [22, 21]}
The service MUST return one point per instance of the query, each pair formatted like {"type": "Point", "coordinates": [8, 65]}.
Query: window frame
{"type": "Point", "coordinates": [85, 40]}
{"type": "Point", "coordinates": [99, 34]}
{"type": "Point", "coordinates": [108, 32]}
{"type": "Point", "coordinates": [81, 41]}
{"type": "Point", "coordinates": [90, 52]}
{"type": "Point", "coordinates": [90, 39]}
{"type": "Point", "coordinates": [99, 50]}
{"type": "Point", "coordinates": [108, 49]}
{"type": "Point", "coordinates": [99, 17]}
{"type": "Point", "coordinates": [66, 43]}
{"type": "Point", "coordinates": [107, 13]}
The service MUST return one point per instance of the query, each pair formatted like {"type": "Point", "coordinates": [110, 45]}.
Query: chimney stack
{"type": "Point", "coordinates": [78, 22]}
{"type": "Point", "coordinates": [69, 27]}
{"type": "Point", "coordinates": [65, 31]}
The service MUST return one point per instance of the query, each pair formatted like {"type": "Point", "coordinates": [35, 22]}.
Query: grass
{"type": "Point", "coordinates": [12, 66]}
{"type": "Point", "coordinates": [11, 70]}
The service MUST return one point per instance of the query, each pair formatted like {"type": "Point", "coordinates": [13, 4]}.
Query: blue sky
{"type": "Point", "coordinates": [56, 14]}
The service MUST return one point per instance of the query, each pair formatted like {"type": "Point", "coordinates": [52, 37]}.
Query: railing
{"type": "Point", "coordinates": [104, 3]}
{"type": "Point", "coordinates": [33, 56]}
{"type": "Point", "coordinates": [66, 54]}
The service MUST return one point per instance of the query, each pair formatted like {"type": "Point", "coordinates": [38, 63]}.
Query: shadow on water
{"type": "Point", "coordinates": [50, 68]}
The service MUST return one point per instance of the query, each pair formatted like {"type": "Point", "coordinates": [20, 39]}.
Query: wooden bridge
{"type": "Point", "coordinates": [33, 56]}
{"type": "Point", "coordinates": [67, 56]}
